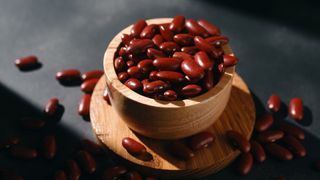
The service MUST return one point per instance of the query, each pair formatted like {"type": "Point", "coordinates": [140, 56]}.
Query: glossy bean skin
{"type": "Point", "coordinates": [292, 130]}
{"type": "Point", "coordinates": [209, 27]}
{"type": "Point", "coordinates": [153, 75]}
{"type": "Point", "coordinates": [130, 63]}
{"type": "Point", "coordinates": [84, 105]}
{"type": "Point", "coordinates": [155, 53]}
{"type": "Point", "coordinates": [30, 123]}
{"type": "Point", "coordinates": [87, 162]}
{"type": "Point", "coordinates": [8, 142]}
{"type": "Point", "coordinates": [113, 172]}
{"type": "Point", "coordinates": [135, 72]}
{"type": "Point", "coordinates": [60, 175]}
{"type": "Point", "coordinates": [274, 103]}
{"type": "Point", "coordinates": [229, 60]}
{"type": "Point", "coordinates": [139, 45]}
{"type": "Point", "coordinates": [68, 75]}
{"type": "Point", "coordinates": [190, 49]}
{"type": "Point", "coordinates": [145, 65]}
{"type": "Point", "coordinates": [257, 151]}
{"type": "Point", "coordinates": [120, 64]}
{"type": "Point", "coordinates": [88, 86]}
{"type": "Point", "coordinates": [270, 136]}
{"type": "Point", "coordinates": [91, 147]}
{"type": "Point", "coordinates": [167, 64]}
{"type": "Point", "coordinates": [169, 47]}
{"type": "Point", "coordinates": [195, 29]}
{"type": "Point", "coordinates": [218, 40]}
{"type": "Point", "coordinates": [166, 33]}
{"type": "Point", "coordinates": [133, 84]}
{"type": "Point", "coordinates": [158, 40]}
{"type": "Point", "coordinates": [49, 147]}
{"type": "Point", "coordinates": [295, 146]}
{"type": "Point", "coordinates": [237, 140]}
{"type": "Point", "coordinates": [170, 76]}
{"type": "Point", "coordinates": [155, 86]}
{"type": "Point", "coordinates": [73, 169]}
{"type": "Point", "coordinates": [296, 109]}
{"type": "Point", "coordinates": [208, 80]}
{"type": "Point", "coordinates": [201, 140]}
{"type": "Point", "coordinates": [133, 175]}
{"type": "Point", "coordinates": [23, 152]}
{"type": "Point", "coordinates": [279, 152]}
{"type": "Point", "coordinates": [137, 28]}
{"type": "Point", "coordinates": [170, 95]}
{"type": "Point", "coordinates": [181, 151]}
{"type": "Point", "coordinates": [133, 147]}
{"type": "Point", "coordinates": [106, 96]}
{"type": "Point", "coordinates": [264, 123]}
{"type": "Point", "coordinates": [123, 76]}
{"type": "Point", "coordinates": [183, 39]}
{"type": "Point", "coordinates": [182, 55]}
{"type": "Point", "coordinates": [51, 106]}
{"type": "Point", "coordinates": [205, 46]}
{"type": "Point", "coordinates": [149, 31]}
{"type": "Point", "coordinates": [203, 60]}
{"type": "Point", "coordinates": [191, 90]}
{"type": "Point", "coordinates": [245, 163]}
{"type": "Point", "coordinates": [125, 39]}
{"type": "Point", "coordinates": [192, 69]}
{"type": "Point", "coordinates": [93, 74]}
{"type": "Point", "coordinates": [177, 24]}
{"type": "Point", "coordinates": [27, 62]}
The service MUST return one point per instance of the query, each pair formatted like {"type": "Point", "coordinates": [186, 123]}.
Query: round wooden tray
{"type": "Point", "coordinates": [239, 115]}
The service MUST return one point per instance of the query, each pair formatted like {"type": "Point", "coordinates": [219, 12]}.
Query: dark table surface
{"type": "Point", "coordinates": [278, 44]}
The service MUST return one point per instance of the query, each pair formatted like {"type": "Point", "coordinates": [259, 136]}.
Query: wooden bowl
{"type": "Point", "coordinates": [165, 119]}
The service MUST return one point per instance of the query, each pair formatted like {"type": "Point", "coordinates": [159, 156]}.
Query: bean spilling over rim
{"type": "Point", "coordinates": [172, 61]}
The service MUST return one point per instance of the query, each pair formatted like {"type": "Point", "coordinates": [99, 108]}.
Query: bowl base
{"type": "Point", "coordinates": [109, 129]}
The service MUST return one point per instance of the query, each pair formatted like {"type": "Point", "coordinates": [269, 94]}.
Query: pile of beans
{"type": "Point", "coordinates": [172, 61]}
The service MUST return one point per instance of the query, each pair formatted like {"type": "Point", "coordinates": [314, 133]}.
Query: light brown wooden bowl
{"type": "Point", "coordinates": [165, 119]}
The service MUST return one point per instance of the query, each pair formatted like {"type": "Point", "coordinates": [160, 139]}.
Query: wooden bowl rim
{"type": "Point", "coordinates": [112, 78]}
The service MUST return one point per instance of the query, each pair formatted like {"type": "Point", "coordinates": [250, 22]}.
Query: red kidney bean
{"type": "Point", "coordinates": [153, 75]}
{"type": "Point", "coordinates": [87, 162]}
{"type": "Point", "coordinates": [133, 147]}
{"type": "Point", "coordinates": [258, 152]}
{"type": "Point", "coordinates": [169, 47]}
{"type": "Point", "coordinates": [123, 76]}
{"type": "Point", "coordinates": [274, 103]}
{"type": "Point", "coordinates": [221, 68]}
{"type": "Point", "coordinates": [137, 28]}
{"type": "Point", "coordinates": [316, 165]}
{"type": "Point", "coordinates": [84, 105]}
{"type": "Point", "coordinates": [177, 24]}
{"type": "Point", "coordinates": [125, 39]}
{"type": "Point", "coordinates": [245, 163]}
{"type": "Point", "coordinates": [9, 141]}
{"type": "Point", "coordinates": [209, 27]}
{"type": "Point", "coordinates": [279, 151]}
{"type": "Point", "coordinates": [270, 136]}
{"type": "Point", "coordinates": [49, 147]}
{"type": "Point", "coordinates": [182, 55]}
{"type": "Point", "coordinates": [130, 63]}
{"type": "Point", "coordinates": [292, 130]}
{"type": "Point", "coordinates": [180, 150]}
{"type": "Point", "coordinates": [68, 75]}
{"type": "Point", "coordinates": [167, 64]}
{"type": "Point", "coordinates": [106, 96]}
{"type": "Point", "coordinates": [192, 69]}
{"type": "Point", "coordinates": [145, 66]}
{"type": "Point", "coordinates": [296, 109]}
{"type": "Point", "coordinates": [122, 52]}
{"type": "Point", "coordinates": [27, 62]}
{"type": "Point", "coordinates": [203, 60]}
{"type": "Point", "coordinates": [218, 40]}
{"type": "Point", "coordinates": [170, 95]}
{"type": "Point", "coordinates": [23, 152]}
{"type": "Point", "coordinates": [195, 29]}
{"type": "Point", "coordinates": [139, 45]}
{"type": "Point", "coordinates": [135, 72]}
{"type": "Point", "coordinates": [208, 80]}
{"type": "Point", "coordinates": [114, 172]}
{"type": "Point", "coordinates": [264, 123]}
{"type": "Point", "coordinates": [183, 39]}
{"type": "Point", "coordinates": [133, 175]}
{"type": "Point", "coordinates": [60, 175]}
{"type": "Point", "coordinates": [149, 31]}
{"type": "Point", "coordinates": [93, 74]}
{"type": "Point", "coordinates": [166, 33]}
{"type": "Point", "coordinates": [154, 53]}
{"type": "Point", "coordinates": [158, 40]}
{"type": "Point", "coordinates": [52, 106]}
{"type": "Point", "coordinates": [229, 60]}
{"type": "Point", "coordinates": [88, 86]}
{"type": "Point", "coordinates": [205, 46]}
{"type": "Point", "coordinates": [190, 49]}
{"type": "Point", "coordinates": [91, 147]}
{"type": "Point", "coordinates": [32, 123]}
{"type": "Point", "coordinates": [120, 64]}
{"type": "Point", "coordinates": [170, 76]}
{"type": "Point", "coordinates": [156, 86]}
{"type": "Point", "coordinates": [191, 90]}
{"type": "Point", "coordinates": [237, 140]}
{"type": "Point", "coordinates": [295, 146]}
{"type": "Point", "coordinates": [133, 84]}
{"type": "Point", "coordinates": [281, 178]}
{"type": "Point", "coordinates": [201, 140]}
{"type": "Point", "coordinates": [74, 172]}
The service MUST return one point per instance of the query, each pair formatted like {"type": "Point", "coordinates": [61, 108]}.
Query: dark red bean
{"type": "Point", "coordinates": [120, 64]}
{"type": "Point", "coordinates": [93, 74]}
{"type": "Point", "coordinates": [292, 130]}
{"type": "Point", "coordinates": [166, 33]}
{"type": "Point", "coordinates": [177, 24]}
{"type": "Point", "coordinates": [60, 175]}
{"type": "Point", "coordinates": [9, 141]}
{"type": "Point", "coordinates": [295, 146]}
{"type": "Point", "coordinates": [68, 75]}
{"type": "Point", "coordinates": [23, 152]}
{"type": "Point", "coordinates": [183, 39]}
{"type": "Point", "coordinates": [114, 172]}
{"type": "Point", "coordinates": [149, 31]}
{"type": "Point", "coordinates": [203, 60]}
{"type": "Point", "coordinates": [27, 62]}
{"type": "Point", "coordinates": [123, 76]}
{"type": "Point", "coordinates": [135, 72]}
{"type": "Point", "coordinates": [229, 60]}
{"type": "Point", "coordinates": [191, 90]}
{"type": "Point", "coordinates": [87, 162]}
{"type": "Point", "coordinates": [279, 151]}
{"type": "Point", "coordinates": [182, 55]}
{"type": "Point", "coordinates": [190, 49]}
{"type": "Point", "coordinates": [158, 40]}
{"type": "Point", "coordinates": [208, 80]}
{"type": "Point", "coordinates": [130, 63]}
{"type": "Point", "coordinates": [270, 136]}
{"type": "Point", "coordinates": [133, 84]}
{"type": "Point", "coordinates": [296, 109]}
{"type": "Point", "coordinates": [201, 140]}
{"type": "Point", "coordinates": [145, 66]}
{"type": "Point", "coordinates": [153, 75]}
{"type": "Point", "coordinates": [192, 69]}
{"type": "Point", "coordinates": [245, 163]}
{"type": "Point", "coordinates": [139, 46]}
{"type": "Point", "coordinates": [212, 29]}
{"type": "Point", "coordinates": [170, 76]}
{"type": "Point", "coordinates": [73, 170]}
{"type": "Point", "coordinates": [91, 147]}
{"type": "Point", "coordinates": [32, 123]}
{"type": "Point", "coordinates": [122, 52]}
{"type": "Point", "coordinates": [137, 28]}
{"type": "Point", "coordinates": [217, 40]}
{"type": "Point", "coordinates": [88, 86]}
{"type": "Point", "coordinates": [179, 150]}
{"type": "Point", "coordinates": [154, 53]}
{"type": "Point", "coordinates": [51, 107]}
{"type": "Point", "coordinates": [170, 95]}
{"type": "Point", "coordinates": [133, 175]}
{"type": "Point", "coordinates": [316, 165]}
{"type": "Point", "coordinates": [106, 96]}
{"type": "Point", "coordinates": [237, 140]}
{"type": "Point", "coordinates": [133, 147]}
{"type": "Point", "coordinates": [167, 64]}
{"type": "Point", "coordinates": [49, 147]}
{"type": "Point", "coordinates": [169, 47]}
{"type": "Point", "coordinates": [125, 39]}
{"type": "Point", "coordinates": [221, 68]}
{"type": "Point", "coordinates": [264, 123]}
{"type": "Point", "coordinates": [156, 86]}
{"type": "Point", "coordinates": [274, 103]}
{"type": "Point", "coordinates": [258, 152]}
{"type": "Point", "coordinates": [205, 46]}
{"type": "Point", "coordinates": [195, 29]}
{"type": "Point", "coordinates": [84, 105]}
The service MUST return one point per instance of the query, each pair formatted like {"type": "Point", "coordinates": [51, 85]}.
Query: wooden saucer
{"type": "Point", "coordinates": [239, 115]}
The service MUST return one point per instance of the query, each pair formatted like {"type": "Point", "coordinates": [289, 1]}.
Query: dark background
{"type": "Point", "coordinates": [278, 44]}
